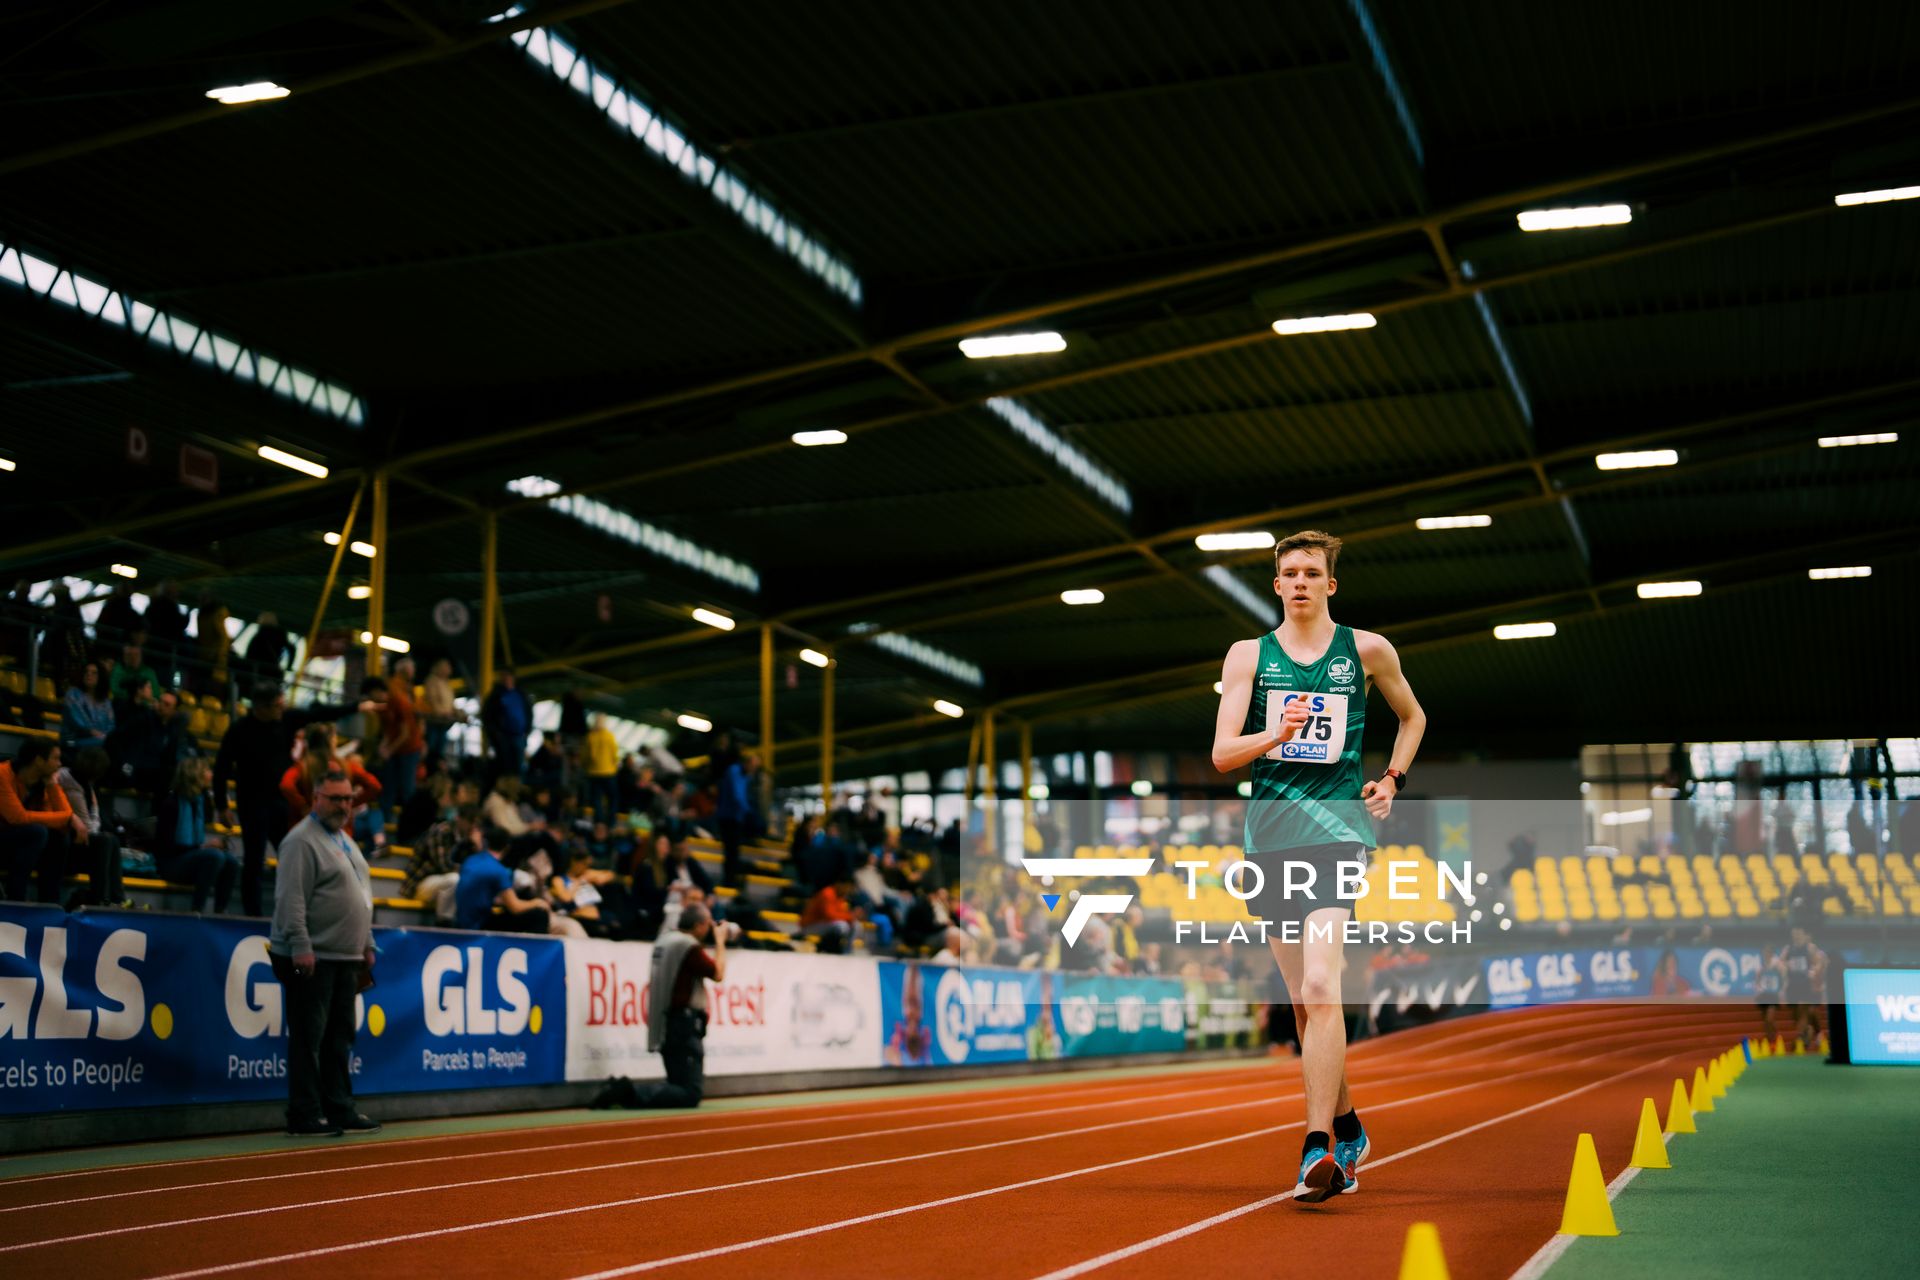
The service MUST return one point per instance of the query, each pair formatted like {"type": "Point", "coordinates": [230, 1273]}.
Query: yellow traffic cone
{"type": "Point", "coordinates": [1760, 1048]}
{"type": "Point", "coordinates": [1680, 1111]}
{"type": "Point", "coordinates": [1421, 1259]}
{"type": "Point", "coordinates": [1716, 1080]}
{"type": "Point", "coordinates": [1587, 1212]}
{"type": "Point", "coordinates": [1702, 1100]}
{"type": "Point", "coordinates": [1799, 1048]}
{"type": "Point", "coordinates": [1649, 1152]}
{"type": "Point", "coordinates": [1779, 1045]}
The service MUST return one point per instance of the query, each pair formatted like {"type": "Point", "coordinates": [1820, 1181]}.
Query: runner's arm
{"type": "Point", "coordinates": [1231, 748]}
{"type": "Point", "coordinates": [1383, 670]}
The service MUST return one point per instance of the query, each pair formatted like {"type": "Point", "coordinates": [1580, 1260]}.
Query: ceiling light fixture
{"type": "Point", "coordinates": [1324, 324]}
{"type": "Point", "coordinates": [1593, 215]}
{"type": "Point", "coordinates": [298, 463]}
{"type": "Point", "coordinates": [1012, 344]}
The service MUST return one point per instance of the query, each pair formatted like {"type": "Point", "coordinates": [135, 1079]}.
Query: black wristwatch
{"type": "Point", "coordinates": [1399, 780]}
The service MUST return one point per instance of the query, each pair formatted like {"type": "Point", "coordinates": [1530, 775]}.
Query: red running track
{"type": "Point", "coordinates": [1473, 1124]}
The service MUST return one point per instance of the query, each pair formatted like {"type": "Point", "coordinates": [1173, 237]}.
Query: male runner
{"type": "Point", "coordinates": [1293, 703]}
{"type": "Point", "coordinates": [1805, 968]}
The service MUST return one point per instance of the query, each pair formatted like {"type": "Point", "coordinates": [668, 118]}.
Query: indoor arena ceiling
{"type": "Point", "coordinates": [620, 253]}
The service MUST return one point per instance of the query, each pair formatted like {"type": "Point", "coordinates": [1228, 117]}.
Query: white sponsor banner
{"type": "Point", "coordinates": [776, 1011]}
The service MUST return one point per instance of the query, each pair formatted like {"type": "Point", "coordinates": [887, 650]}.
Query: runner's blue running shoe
{"type": "Point", "coordinates": [1320, 1177]}
{"type": "Point", "coordinates": [1350, 1156]}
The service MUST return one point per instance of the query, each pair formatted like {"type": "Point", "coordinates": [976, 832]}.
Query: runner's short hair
{"type": "Point", "coordinates": [1308, 540]}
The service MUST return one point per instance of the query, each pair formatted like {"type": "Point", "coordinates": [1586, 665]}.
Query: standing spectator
{"type": "Point", "coordinates": [507, 719]}
{"type": "Point", "coordinates": [100, 851]}
{"type": "Point", "coordinates": [64, 650]}
{"type": "Point", "coordinates": [268, 650]}
{"type": "Point", "coordinates": [486, 883]}
{"type": "Point", "coordinates": [322, 951]}
{"type": "Point", "coordinates": [402, 740]}
{"type": "Point", "coordinates": [213, 645]}
{"type": "Point", "coordinates": [573, 718]}
{"type": "Point", "coordinates": [133, 679]}
{"type": "Point", "coordinates": [188, 850]}
{"type": "Point", "coordinates": [736, 813]}
{"type": "Point", "coordinates": [677, 1012]}
{"type": "Point", "coordinates": [438, 711]}
{"type": "Point", "coordinates": [603, 770]}
{"type": "Point", "coordinates": [433, 873]}
{"type": "Point", "coordinates": [119, 620]}
{"type": "Point", "coordinates": [253, 757]}
{"type": "Point", "coordinates": [35, 820]}
{"type": "Point", "coordinates": [88, 719]}
{"type": "Point", "coordinates": [166, 633]}
{"type": "Point", "coordinates": [424, 807]}
{"type": "Point", "coordinates": [301, 782]}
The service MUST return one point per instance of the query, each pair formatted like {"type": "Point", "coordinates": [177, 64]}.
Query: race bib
{"type": "Point", "coordinates": [1321, 738]}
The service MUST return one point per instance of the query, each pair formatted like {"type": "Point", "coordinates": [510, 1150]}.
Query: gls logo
{"type": "Point", "coordinates": [1899, 1008]}
{"type": "Point", "coordinates": [454, 1000]}
{"type": "Point", "coordinates": [256, 1004]}
{"type": "Point", "coordinates": [58, 1020]}
{"type": "Point", "coordinates": [1341, 669]}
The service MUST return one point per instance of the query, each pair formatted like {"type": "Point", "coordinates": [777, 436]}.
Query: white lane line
{"type": "Point", "coordinates": [1181, 1233]}
{"type": "Point", "coordinates": [577, 1209]}
{"type": "Point", "coordinates": [1549, 1253]}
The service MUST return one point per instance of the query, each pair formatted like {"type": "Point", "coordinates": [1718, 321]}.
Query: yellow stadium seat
{"type": "Point", "coordinates": [1523, 881]}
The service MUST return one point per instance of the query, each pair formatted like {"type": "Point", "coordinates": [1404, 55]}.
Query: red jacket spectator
{"type": "Point", "coordinates": [401, 732]}
{"type": "Point", "coordinates": [826, 906]}
{"type": "Point", "coordinates": [57, 816]}
{"type": "Point", "coordinates": [297, 787]}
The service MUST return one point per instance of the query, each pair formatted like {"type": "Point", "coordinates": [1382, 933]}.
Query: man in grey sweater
{"type": "Point", "coordinates": [322, 951]}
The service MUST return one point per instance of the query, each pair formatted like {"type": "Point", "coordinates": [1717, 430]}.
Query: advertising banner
{"type": "Point", "coordinates": [1883, 1016]}
{"type": "Point", "coordinates": [128, 1009]}
{"type": "Point", "coordinates": [1101, 1015]}
{"type": "Point", "coordinates": [775, 1011]}
{"type": "Point", "coordinates": [1409, 994]}
{"type": "Point", "coordinates": [1552, 977]}
{"type": "Point", "coordinates": [946, 1015]}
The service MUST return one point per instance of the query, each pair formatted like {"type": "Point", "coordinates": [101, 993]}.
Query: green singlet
{"type": "Point", "coordinates": [1307, 790]}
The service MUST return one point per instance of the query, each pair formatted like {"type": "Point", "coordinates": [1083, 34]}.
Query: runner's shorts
{"type": "Point", "coordinates": [1274, 904]}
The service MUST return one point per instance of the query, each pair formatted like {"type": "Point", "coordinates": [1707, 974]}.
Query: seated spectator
{"type": "Point", "coordinates": [88, 718]}
{"type": "Point", "coordinates": [423, 808]}
{"type": "Point", "coordinates": [872, 895]}
{"type": "Point", "coordinates": [35, 820]}
{"type": "Point", "coordinates": [133, 679]}
{"type": "Point", "coordinates": [186, 847]}
{"type": "Point", "coordinates": [828, 918]}
{"type": "Point", "coordinates": [434, 871]}
{"type": "Point", "coordinates": [579, 893]}
{"type": "Point", "coordinates": [486, 883]}
{"type": "Point", "coordinates": [927, 919]}
{"type": "Point", "coordinates": [954, 948]}
{"type": "Point", "coordinates": [502, 807]}
{"type": "Point", "coordinates": [532, 868]}
{"type": "Point", "coordinates": [99, 853]}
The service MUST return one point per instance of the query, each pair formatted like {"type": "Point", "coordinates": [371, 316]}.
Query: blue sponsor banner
{"type": "Point", "coordinates": [1883, 1016]}
{"type": "Point", "coordinates": [1101, 1015]}
{"type": "Point", "coordinates": [1553, 977]}
{"type": "Point", "coordinates": [944, 1015]}
{"type": "Point", "coordinates": [124, 1009]}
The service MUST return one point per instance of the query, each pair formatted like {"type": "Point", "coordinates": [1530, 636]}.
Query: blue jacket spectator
{"type": "Point", "coordinates": [485, 883]}
{"type": "Point", "coordinates": [88, 717]}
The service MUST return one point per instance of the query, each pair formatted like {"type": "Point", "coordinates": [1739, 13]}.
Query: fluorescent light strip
{"type": "Point", "coordinates": [1667, 590]}
{"type": "Point", "coordinates": [392, 644]}
{"type": "Point", "coordinates": [1012, 344]}
{"type": "Point", "coordinates": [1452, 522]}
{"type": "Point", "coordinates": [124, 571]}
{"type": "Point", "coordinates": [1841, 571]}
{"type": "Point", "coordinates": [813, 657]}
{"type": "Point", "coordinates": [259, 91]}
{"type": "Point", "coordinates": [1844, 442]}
{"type": "Point", "coordinates": [1625, 817]}
{"type": "Point", "coordinates": [1219, 686]}
{"type": "Point", "coordinates": [295, 461]}
{"type": "Point", "coordinates": [1140, 787]}
{"type": "Point", "coordinates": [630, 529]}
{"type": "Point", "coordinates": [358, 547]}
{"type": "Point", "coordinates": [1261, 607]}
{"type": "Point", "coordinates": [109, 306]}
{"type": "Point", "coordinates": [950, 665]}
{"type": "Point", "coordinates": [1877, 197]}
{"type": "Point", "coordinates": [1083, 595]}
{"type": "Point", "coordinates": [633, 116]}
{"type": "Point", "coordinates": [946, 708]}
{"type": "Point", "coordinates": [1324, 324]}
{"type": "Point", "coordinates": [712, 619]}
{"type": "Point", "coordinates": [7, 464]}
{"type": "Point", "coordinates": [1524, 630]}
{"type": "Point", "coordinates": [1643, 458]}
{"type": "Point", "coordinates": [359, 592]}
{"type": "Point", "coordinates": [1077, 464]}
{"type": "Point", "coordinates": [699, 724]}
{"type": "Point", "coordinates": [1246, 540]}
{"type": "Point", "coordinates": [1593, 215]}
{"type": "Point", "coordinates": [808, 439]}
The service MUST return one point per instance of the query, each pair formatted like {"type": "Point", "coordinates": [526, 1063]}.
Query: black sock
{"type": "Point", "coordinates": [1347, 1127]}
{"type": "Point", "coordinates": [1315, 1139]}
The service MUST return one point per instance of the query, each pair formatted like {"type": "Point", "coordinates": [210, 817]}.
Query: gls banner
{"type": "Point", "coordinates": [121, 1009]}
{"type": "Point", "coordinates": [1552, 977]}
{"type": "Point", "coordinates": [774, 1012]}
